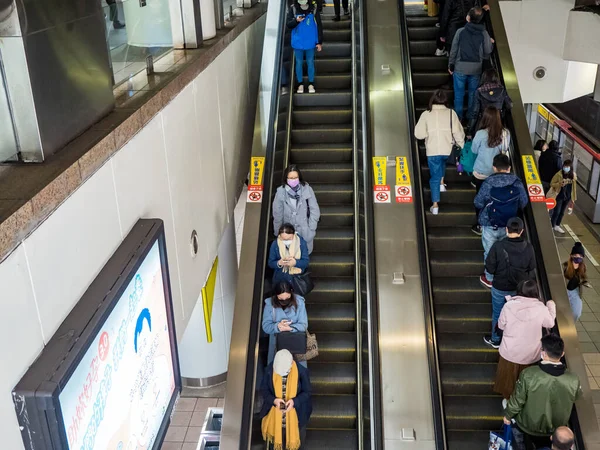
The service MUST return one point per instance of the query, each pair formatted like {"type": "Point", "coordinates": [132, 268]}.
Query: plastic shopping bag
{"type": "Point", "coordinates": [501, 441]}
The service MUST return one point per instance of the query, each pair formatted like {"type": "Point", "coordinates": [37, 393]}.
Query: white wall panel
{"type": "Point", "coordinates": [184, 147]}
{"type": "Point", "coordinates": [68, 250]}
{"type": "Point", "coordinates": [20, 339]}
{"type": "Point", "coordinates": [142, 186]}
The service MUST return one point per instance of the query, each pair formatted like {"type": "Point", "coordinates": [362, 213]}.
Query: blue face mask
{"type": "Point", "coordinates": [566, 169]}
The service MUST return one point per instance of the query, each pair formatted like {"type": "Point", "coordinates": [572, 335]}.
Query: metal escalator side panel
{"type": "Point", "coordinates": [542, 237]}
{"type": "Point", "coordinates": [237, 425]}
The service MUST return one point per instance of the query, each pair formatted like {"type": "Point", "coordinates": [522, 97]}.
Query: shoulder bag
{"type": "Point", "coordinates": [456, 150]}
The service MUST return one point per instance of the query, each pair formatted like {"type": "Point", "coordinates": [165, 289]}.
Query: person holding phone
{"type": "Point", "coordinates": [307, 35]}
{"type": "Point", "coordinates": [288, 255]}
{"type": "Point", "coordinates": [284, 312]}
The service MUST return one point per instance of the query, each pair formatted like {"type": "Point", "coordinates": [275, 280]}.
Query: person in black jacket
{"type": "Point", "coordinates": [454, 17]}
{"type": "Point", "coordinates": [489, 93]}
{"type": "Point", "coordinates": [549, 163]}
{"type": "Point", "coordinates": [511, 261]}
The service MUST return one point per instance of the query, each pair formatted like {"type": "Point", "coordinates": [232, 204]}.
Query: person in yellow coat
{"type": "Point", "coordinates": [563, 188]}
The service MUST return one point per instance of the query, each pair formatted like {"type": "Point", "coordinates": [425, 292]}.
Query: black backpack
{"type": "Point", "coordinates": [504, 204]}
{"type": "Point", "coordinates": [515, 274]}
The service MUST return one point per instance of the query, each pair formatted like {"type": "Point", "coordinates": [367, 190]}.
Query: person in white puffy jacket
{"type": "Point", "coordinates": [441, 129]}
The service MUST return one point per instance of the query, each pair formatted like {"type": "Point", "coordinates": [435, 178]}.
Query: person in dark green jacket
{"type": "Point", "coordinates": [543, 398]}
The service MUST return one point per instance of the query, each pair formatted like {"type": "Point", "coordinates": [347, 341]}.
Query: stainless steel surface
{"type": "Point", "coordinates": [207, 426]}
{"type": "Point", "coordinates": [219, 14]}
{"type": "Point", "coordinates": [57, 73]}
{"type": "Point", "coordinates": [551, 259]}
{"type": "Point", "coordinates": [207, 441]}
{"type": "Point", "coordinates": [204, 382]}
{"type": "Point", "coordinates": [404, 363]}
{"type": "Point", "coordinates": [231, 438]}
{"type": "Point", "coordinates": [8, 140]}
{"type": "Point", "coordinates": [192, 23]}
{"type": "Point", "coordinates": [597, 86]}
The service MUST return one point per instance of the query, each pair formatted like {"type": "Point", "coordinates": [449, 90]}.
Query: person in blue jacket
{"type": "Point", "coordinates": [284, 311]}
{"type": "Point", "coordinates": [307, 35]}
{"type": "Point", "coordinates": [288, 255]}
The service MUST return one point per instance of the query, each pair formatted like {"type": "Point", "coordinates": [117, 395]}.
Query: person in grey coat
{"type": "Point", "coordinates": [295, 203]}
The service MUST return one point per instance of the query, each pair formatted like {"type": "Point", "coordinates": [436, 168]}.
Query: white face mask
{"type": "Point", "coordinates": [287, 243]}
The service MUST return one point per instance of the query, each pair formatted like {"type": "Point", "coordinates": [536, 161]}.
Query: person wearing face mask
{"type": "Point", "coordinates": [543, 398]}
{"type": "Point", "coordinates": [295, 203]}
{"type": "Point", "coordinates": [288, 255]}
{"type": "Point", "coordinates": [563, 189]}
{"type": "Point", "coordinates": [287, 403]}
{"type": "Point", "coordinates": [576, 276]}
{"type": "Point", "coordinates": [284, 312]}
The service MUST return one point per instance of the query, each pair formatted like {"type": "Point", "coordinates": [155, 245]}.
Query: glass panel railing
{"type": "Point", "coordinates": [8, 139]}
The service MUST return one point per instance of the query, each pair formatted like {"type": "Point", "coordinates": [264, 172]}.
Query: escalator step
{"type": "Point", "coordinates": [421, 21]}
{"type": "Point", "coordinates": [332, 439]}
{"type": "Point", "coordinates": [465, 348]}
{"type": "Point", "coordinates": [473, 412]}
{"type": "Point", "coordinates": [334, 240]}
{"type": "Point", "coordinates": [333, 411]}
{"type": "Point", "coordinates": [335, 65]}
{"type": "Point", "coordinates": [423, 48]}
{"type": "Point", "coordinates": [456, 264]}
{"type": "Point", "coordinates": [451, 177]}
{"type": "Point", "coordinates": [324, 98]}
{"type": "Point", "coordinates": [336, 347]}
{"type": "Point", "coordinates": [332, 378]}
{"type": "Point", "coordinates": [332, 264]}
{"type": "Point", "coordinates": [325, 116]}
{"type": "Point", "coordinates": [428, 63]}
{"type": "Point", "coordinates": [336, 216]}
{"type": "Point", "coordinates": [336, 290]}
{"type": "Point", "coordinates": [468, 379]}
{"type": "Point", "coordinates": [337, 35]}
{"type": "Point", "coordinates": [456, 237]}
{"type": "Point", "coordinates": [463, 290]}
{"type": "Point", "coordinates": [335, 49]}
{"type": "Point", "coordinates": [332, 81]}
{"type": "Point", "coordinates": [431, 79]}
{"type": "Point", "coordinates": [331, 317]}
{"type": "Point", "coordinates": [452, 215]}
{"type": "Point", "coordinates": [455, 194]}
{"type": "Point", "coordinates": [334, 194]}
{"type": "Point", "coordinates": [468, 439]}
{"type": "Point", "coordinates": [329, 24]}
{"type": "Point", "coordinates": [332, 153]}
{"type": "Point", "coordinates": [324, 134]}
{"type": "Point", "coordinates": [423, 33]}
{"type": "Point", "coordinates": [328, 172]}
{"type": "Point", "coordinates": [477, 318]}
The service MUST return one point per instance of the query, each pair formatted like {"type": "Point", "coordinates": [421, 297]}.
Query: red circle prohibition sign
{"type": "Point", "coordinates": [403, 190]}
{"type": "Point", "coordinates": [254, 196]}
{"type": "Point", "coordinates": [382, 196]}
{"type": "Point", "coordinates": [535, 190]}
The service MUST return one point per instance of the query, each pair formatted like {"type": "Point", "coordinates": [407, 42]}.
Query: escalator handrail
{"type": "Point", "coordinates": [426, 287]}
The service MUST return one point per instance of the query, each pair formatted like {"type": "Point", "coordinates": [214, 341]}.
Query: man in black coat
{"type": "Point", "coordinates": [454, 16]}
{"type": "Point", "coordinates": [549, 164]}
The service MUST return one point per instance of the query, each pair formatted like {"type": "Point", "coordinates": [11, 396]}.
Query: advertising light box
{"type": "Point", "coordinates": [109, 377]}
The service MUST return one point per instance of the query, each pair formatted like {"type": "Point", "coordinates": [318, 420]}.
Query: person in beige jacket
{"type": "Point", "coordinates": [441, 128]}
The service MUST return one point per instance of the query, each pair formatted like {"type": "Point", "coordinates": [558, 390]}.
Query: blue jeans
{"type": "Point", "coordinates": [488, 236]}
{"type": "Point", "coordinates": [437, 169]}
{"type": "Point", "coordinates": [576, 303]}
{"type": "Point", "coordinates": [471, 82]}
{"type": "Point", "coordinates": [498, 300]}
{"type": "Point", "coordinates": [310, 62]}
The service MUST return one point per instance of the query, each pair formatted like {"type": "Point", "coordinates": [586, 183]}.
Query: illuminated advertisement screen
{"type": "Point", "coordinates": [117, 375]}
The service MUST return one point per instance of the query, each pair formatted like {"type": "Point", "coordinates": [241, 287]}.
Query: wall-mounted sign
{"type": "Point", "coordinates": [532, 179]}
{"type": "Point", "coordinates": [116, 376]}
{"type": "Point", "coordinates": [255, 181]}
{"type": "Point", "coordinates": [403, 186]}
{"type": "Point", "coordinates": [381, 191]}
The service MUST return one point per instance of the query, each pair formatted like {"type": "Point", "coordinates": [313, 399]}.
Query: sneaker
{"type": "Point", "coordinates": [437, 25]}
{"type": "Point", "coordinates": [118, 25]}
{"type": "Point", "coordinates": [336, 19]}
{"type": "Point", "coordinates": [504, 403]}
{"type": "Point", "coordinates": [443, 188]}
{"type": "Point", "coordinates": [311, 89]}
{"type": "Point", "coordinates": [434, 211]}
{"type": "Point", "coordinates": [346, 12]}
{"type": "Point", "coordinates": [484, 281]}
{"type": "Point", "coordinates": [441, 52]}
{"type": "Point", "coordinates": [284, 90]}
{"type": "Point", "coordinates": [300, 89]}
{"type": "Point", "coordinates": [476, 229]}
{"type": "Point", "coordinates": [559, 229]}
{"type": "Point", "coordinates": [488, 340]}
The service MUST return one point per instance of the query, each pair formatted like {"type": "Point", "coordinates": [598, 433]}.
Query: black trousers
{"type": "Point", "coordinates": [453, 27]}
{"type": "Point", "coordinates": [336, 6]}
{"type": "Point", "coordinates": [113, 11]}
{"type": "Point", "coordinates": [559, 210]}
{"type": "Point", "coordinates": [524, 441]}
{"type": "Point", "coordinates": [477, 182]}
{"type": "Point", "coordinates": [441, 5]}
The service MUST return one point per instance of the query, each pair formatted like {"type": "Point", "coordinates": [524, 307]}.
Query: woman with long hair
{"type": "Point", "coordinates": [521, 321]}
{"type": "Point", "coordinates": [295, 203]}
{"type": "Point", "coordinates": [441, 129]}
{"type": "Point", "coordinates": [564, 190]}
{"type": "Point", "coordinates": [576, 276]}
{"type": "Point", "coordinates": [540, 147]}
{"type": "Point", "coordinates": [491, 139]}
{"type": "Point", "coordinates": [288, 255]}
{"type": "Point", "coordinates": [284, 312]}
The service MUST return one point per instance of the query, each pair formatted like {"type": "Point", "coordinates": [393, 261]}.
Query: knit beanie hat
{"type": "Point", "coordinates": [282, 364]}
{"type": "Point", "coordinates": [578, 249]}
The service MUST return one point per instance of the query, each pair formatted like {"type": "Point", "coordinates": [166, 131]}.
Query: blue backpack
{"type": "Point", "coordinates": [305, 35]}
{"type": "Point", "coordinates": [504, 204]}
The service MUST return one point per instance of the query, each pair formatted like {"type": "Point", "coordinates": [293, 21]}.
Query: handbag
{"type": "Point", "coordinates": [294, 342]}
{"type": "Point", "coordinates": [456, 150]}
{"type": "Point", "coordinates": [467, 158]}
{"type": "Point", "coordinates": [501, 441]}
{"type": "Point", "coordinates": [312, 348]}
{"type": "Point", "coordinates": [302, 284]}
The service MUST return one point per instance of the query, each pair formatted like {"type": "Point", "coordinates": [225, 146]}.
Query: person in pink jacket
{"type": "Point", "coordinates": [521, 321]}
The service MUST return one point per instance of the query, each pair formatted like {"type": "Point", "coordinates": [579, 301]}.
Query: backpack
{"type": "Point", "coordinates": [467, 158]}
{"type": "Point", "coordinates": [515, 274]}
{"type": "Point", "coordinates": [305, 35]}
{"type": "Point", "coordinates": [504, 205]}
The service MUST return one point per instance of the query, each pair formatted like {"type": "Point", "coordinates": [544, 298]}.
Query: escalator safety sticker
{"type": "Point", "coordinates": [403, 187]}
{"type": "Point", "coordinates": [381, 190]}
{"type": "Point", "coordinates": [532, 179]}
{"type": "Point", "coordinates": [255, 179]}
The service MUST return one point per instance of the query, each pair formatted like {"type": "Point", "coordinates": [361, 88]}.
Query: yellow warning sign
{"type": "Point", "coordinates": [257, 165]}
{"type": "Point", "coordinates": [208, 297]}
{"type": "Point", "coordinates": [552, 118]}
{"type": "Point", "coordinates": [402, 173]}
{"type": "Point", "coordinates": [542, 112]}
{"type": "Point", "coordinates": [379, 169]}
{"type": "Point", "coordinates": [531, 173]}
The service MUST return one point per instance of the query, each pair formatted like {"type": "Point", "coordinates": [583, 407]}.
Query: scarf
{"type": "Point", "coordinates": [272, 423]}
{"type": "Point", "coordinates": [293, 251]}
{"type": "Point", "coordinates": [293, 192]}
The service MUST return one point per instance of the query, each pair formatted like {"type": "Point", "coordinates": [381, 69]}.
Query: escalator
{"type": "Point", "coordinates": [321, 146]}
